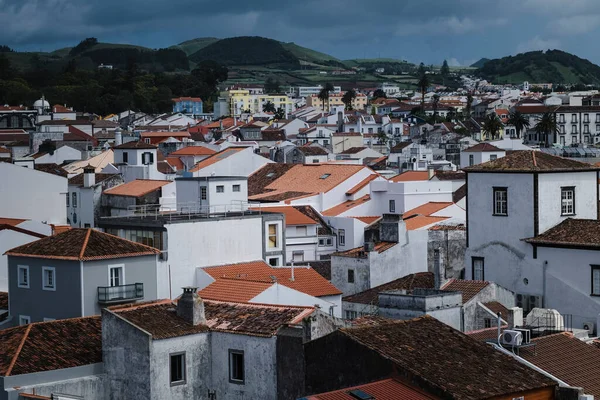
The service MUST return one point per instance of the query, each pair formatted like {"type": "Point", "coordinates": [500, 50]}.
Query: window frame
{"type": "Point", "coordinates": [220, 189]}
{"type": "Point", "coordinates": [22, 317]}
{"type": "Point", "coordinates": [342, 237]}
{"type": "Point", "coordinates": [277, 242]}
{"type": "Point", "coordinates": [471, 160]}
{"type": "Point", "coordinates": [594, 267]}
{"type": "Point", "coordinates": [300, 254]}
{"type": "Point", "coordinates": [125, 157]}
{"type": "Point", "coordinates": [121, 274]}
{"type": "Point", "coordinates": [68, 199]}
{"type": "Point", "coordinates": [473, 260]}
{"type": "Point", "coordinates": [351, 276]}
{"type": "Point", "coordinates": [230, 354]}
{"type": "Point", "coordinates": [493, 157]}
{"type": "Point", "coordinates": [182, 381]}
{"type": "Point", "coordinates": [392, 205]}
{"type": "Point", "coordinates": [44, 280]}
{"type": "Point", "coordinates": [74, 199]}
{"type": "Point", "coordinates": [27, 284]}
{"type": "Point", "coordinates": [564, 189]}
{"type": "Point", "coordinates": [203, 193]}
{"type": "Point", "coordinates": [499, 189]}
{"type": "Point", "coordinates": [236, 188]}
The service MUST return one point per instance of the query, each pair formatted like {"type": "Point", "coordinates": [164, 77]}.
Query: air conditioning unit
{"type": "Point", "coordinates": [535, 301]}
{"type": "Point", "coordinates": [511, 338]}
{"type": "Point", "coordinates": [589, 326]}
{"type": "Point", "coordinates": [520, 301]}
{"type": "Point", "coordinates": [525, 334]}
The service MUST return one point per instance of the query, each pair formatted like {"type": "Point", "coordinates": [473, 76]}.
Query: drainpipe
{"type": "Point", "coordinates": [544, 284]}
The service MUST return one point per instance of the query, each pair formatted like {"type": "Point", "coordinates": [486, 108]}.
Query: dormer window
{"type": "Point", "coordinates": [325, 176]}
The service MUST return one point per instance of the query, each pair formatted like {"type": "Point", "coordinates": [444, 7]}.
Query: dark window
{"type": "Point", "coordinates": [471, 159]}
{"type": "Point", "coordinates": [177, 369]}
{"type": "Point", "coordinates": [74, 202]}
{"type": "Point", "coordinates": [350, 276]}
{"type": "Point", "coordinates": [478, 269]}
{"type": "Point", "coordinates": [595, 280]}
{"type": "Point", "coordinates": [493, 157]}
{"type": "Point", "coordinates": [500, 201]}
{"type": "Point", "coordinates": [342, 237]}
{"type": "Point", "coordinates": [392, 206]}
{"type": "Point", "coordinates": [487, 322]}
{"type": "Point", "coordinates": [236, 188]}
{"type": "Point", "coordinates": [203, 193]}
{"type": "Point", "coordinates": [236, 366]}
{"type": "Point", "coordinates": [125, 157]}
{"type": "Point", "coordinates": [220, 189]}
{"type": "Point", "coordinates": [567, 200]}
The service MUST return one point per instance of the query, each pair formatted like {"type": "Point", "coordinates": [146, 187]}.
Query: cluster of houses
{"type": "Point", "coordinates": [331, 254]}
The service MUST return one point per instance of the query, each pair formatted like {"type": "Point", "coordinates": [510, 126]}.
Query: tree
{"type": "Point", "coordinates": [47, 146]}
{"type": "Point", "coordinates": [272, 86]}
{"type": "Point", "coordinates": [324, 97]}
{"type": "Point", "coordinates": [329, 89]}
{"type": "Point", "coordinates": [492, 125]}
{"type": "Point", "coordinates": [421, 70]}
{"type": "Point", "coordinates": [6, 70]}
{"type": "Point", "coordinates": [469, 105]}
{"type": "Point", "coordinates": [84, 45]}
{"type": "Point", "coordinates": [379, 94]}
{"type": "Point", "coordinates": [423, 84]}
{"type": "Point", "coordinates": [269, 107]}
{"type": "Point", "coordinates": [546, 126]}
{"type": "Point", "coordinates": [435, 101]}
{"type": "Point", "coordinates": [444, 71]}
{"type": "Point", "coordinates": [279, 113]}
{"type": "Point", "coordinates": [348, 98]}
{"type": "Point", "coordinates": [519, 121]}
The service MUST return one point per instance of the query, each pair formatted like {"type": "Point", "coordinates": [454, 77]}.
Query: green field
{"type": "Point", "coordinates": [192, 46]}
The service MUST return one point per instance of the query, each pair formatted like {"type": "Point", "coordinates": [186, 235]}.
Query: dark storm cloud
{"type": "Point", "coordinates": [428, 30]}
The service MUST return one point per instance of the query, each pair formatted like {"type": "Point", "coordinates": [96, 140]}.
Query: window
{"type": "Point", "coordinates": [325, 242]}
{"type": "Point", "coordinates": [500, 201]}
{"type": "Point", "coordinates": [203, 193]}
{"type": "Point", "coordinates": [236, 188]}
{"type": "Point", "coordinates": [471, 159]}
{"type": "Point", "coordinates": [273, 236]}
{"type": "Point", "coordinates": [595, 280]}
{"type": "Point", "coordinates": [562, 140]}
{"type": "Point", "coordinates": [177, 362]}
{"type": "Point", "coordinates": [236, 366]}
{"type": "Point", "coordinates": [436, 260]}
{"type": "Point", "coordinates": [350, 276]}
{"type": "Point", "coordinates": [478, 269]}
{"type": "Point", "coordinates": [597, 118]}
{"type": "Point", "coordinates": [573, 128]}
{"type": "Point", "coordinates": [298, 255]}
{"type": "Point", "coordinates": [325, 142]}
{"type": "Point", "coordinates": [586, 129]}
{"type": "Point", "coordinates": [487, 322]}
{"type": "Point", "coordinates": [48, 278]}
{"type": "Point", "coordinates": [562, 129]}
{"type": "Point", "coordinates": [147, 140]}
{"type": "Point", "coordinates": [573, 117]}
{"type": "Point", "coordinates": [562, 118]}
{"type": "Point", "coordinates": [392, 206]}
{"type": "Point", "coordinates": [125, 157]}
{"type": "Point", "coordinates": [597, 128]}
{"type": "Point", "coordinates": [301, 231]}
{"type": "Point", "coordinates": [567, 201]}
{"type": "Point", "coordinates": [74, 200]}
{"type": "Point", "coordinates": [274, 261]}
{"type": "Point", "coordinates": [68, 198]}
{"type": "Point", "coordinates": [23, 275]}
{"type": "Point", "coordinates": [325, 176]}
{"type": "Point", "coordinates": [342, 237]}
{"type": "Point", "coordinates": [574, 139]}
{"type": "Point", "coordinates": [24, 319]}
{"type": "Point", "coordinates": [351, 314]}
{"type": "Point", "coordinates": [586, 118]}
{"type": "Point", "coordinates": [147, 158]}
{"type": "Point", "coordinates": [220, 189]}
{"type": "Point", "coordinates": [116, 276]}
{"type": "Point", "coordinates": [315, 161]}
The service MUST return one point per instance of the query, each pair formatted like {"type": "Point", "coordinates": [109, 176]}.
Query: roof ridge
{"type": "Point", "coordinates": [18, 352]}
{"type": "Point", "coordinates": [85, 243]}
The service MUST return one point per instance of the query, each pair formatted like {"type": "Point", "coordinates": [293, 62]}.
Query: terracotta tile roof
{"type": "Point", "coordinates": [235, 290]}
{"type": "Point", "coordinates": [77, 135]}
{"type": "Point", "coordinates": [531, 161]}
{"type": "Point", "coordinates": [165, 134]}
{"type": "Point", "coordinates": [57, 229]}
{"type": "Point", "coordinates": [4, 150]}
{"type": "Point", "coordinates": [306, 280]}
{"type": "Point", "coordinates": [362, 184]}
{"type": "Point", "coordinates": [370, 320]}
{"type": "Point", "coordinates": [312, 151]}
{"type": "Point", "coordinates": [273, 135]}
{"type": "Point", "coordinates": [420, 280]}
{"type": "Point", "coordinates": [485, 334]}
{"type": "Point", "coordinates": [388, 389]}
{"type": "Point", "coordinates": [21, 230]}
{"type": "Point", "coordinates": [48, 346]}
{"type": "Point", "coordinates": [400, 146]}
{"type": "Point", "coordinates": [482, 147]}
{"type": "Point", "coordinates": [176, 163]}
{"type": "Point", "coordinates": [193, 151]}
{"type": "Point", "coordinates": [428, 208]}
{"type": "Point", "coordinates": [323, 268]}
{"type": "Point", "coordinates": [83, 245]}
{"type": "Point", "coordinates": [196, 99]}
{"type": "Point", "coordinates": [421, 221]}
{"type": "Point", "coordinates": [4, 300]}
{"type": "Point", "coordinates": [469, 289]}
{"type": "Point", "coordinates": [359, 252]}
{"type": "Point", "coordinates": [11, 221]}
{"type": "Point", "coordinates": [410, 176]}
{"type": "Point", "coordinates": [135, 145]}
{"type": "Point", "coordinates": [77, 180]}
{"type": "Point", "coordinates": [137, 188]}
{"type": "Point", "coordinates": [496, 308]}
{"type": "Point", "coordinates": [53, 169]}
{"type": "Point", "coordinates": [447, 227]}
{"type": "Point", "coordinates": [161, 321]}
{"type": "Point", "coordinates": [567, 358]}
{"type": "Point", "coordinates": [310, 178]}
{"type": "Point", "coordinates": [324, 229]}
{"type": "Point", "coordinates": [281, 196]}
{"type": "Point", "coordinates": [450, 175]}
{"type": "Point", "coordinates": [353, 150]}
{"type": "Point", "coordinates": [578, 233]}
{"type": "Point", "coordinates": [259, 180]}
{"type": "Point", "coordinates": [213, 159]}
{"type": "Point", "coordinates": [368, 220]}
{"type": "Point", "coordinates": [345, 206]}
{"type": "Point", "coordinates": [292, 215]}
{"type": "Point", "coordinates": [449, 360]}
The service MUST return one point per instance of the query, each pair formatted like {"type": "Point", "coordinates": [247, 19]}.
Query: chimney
{"type": "Point", "coordinates": [190, 306]}
{"type": "Point", "coordinates": [389, 228]}
{"type": "Point", "coordinates": [430, 172]}
{"type": "Point", "coordinates": [118, 137]}
{"type": "Point", "coordinates": [89, 176]}
{"type": "Point", "coordinates": [514, 317]}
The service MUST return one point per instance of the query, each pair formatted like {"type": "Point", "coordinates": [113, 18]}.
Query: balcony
{"type": "Point", "coordinates": [120, 294]}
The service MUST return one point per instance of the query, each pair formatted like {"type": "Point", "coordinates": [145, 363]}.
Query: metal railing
{"type": "Point", "coordinates": [116, 294]}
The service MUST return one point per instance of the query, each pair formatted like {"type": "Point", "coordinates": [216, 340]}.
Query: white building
{"type": "Point", "coordinates": [515, 206]}
{"type": "Point", "coordinates": [138, 160]}
{"type": "Point", "coordinates": [479, 154]}
{"type": "Point", "coordinates": [210, 194]}
{"type": "Point", "coordinates": [31, 194]}
{"type": "Point", "coordinates": [59, 156]}
{"type": "Point", "coordinates": [233, 161]}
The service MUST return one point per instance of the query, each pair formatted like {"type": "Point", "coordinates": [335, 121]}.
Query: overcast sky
{"type": "Point", "coordinates": [461, 31]}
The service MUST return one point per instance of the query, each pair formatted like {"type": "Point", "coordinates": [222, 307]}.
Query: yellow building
{"type": "Point", "coordinates": [335, 99]}
{"type": "Point", "coordinates": [240, 100]}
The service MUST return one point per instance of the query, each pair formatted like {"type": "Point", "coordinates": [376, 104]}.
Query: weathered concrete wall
{"type": "Point", "coordinates": [89, 387]}
{"type": "Point", "coordinates": [339, 274]}
{"type": "Point", "coordinates": [290, 363]}
{"type": "Point", "coordinates": [451, 246]}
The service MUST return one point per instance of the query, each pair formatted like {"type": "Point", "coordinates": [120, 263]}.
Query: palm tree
{"type": "Point", "coordinates": [435, 101]}
{"type": "Point", "coordinates": [324, 97]}
{"type": "Point", "coordinates": [546, 126]}
{"type": "Point", "coordinates": [469, 104]}
{"type": "Point", "coordinates": [329, 89]}
{"type": "Point", "coordinates": [348, 98]}
{"type": "Point", "coordinates": [423, 84]}
{"type": "Point", "coordinates": [519, 121]}
{"type": "Point", "coordinates": [492, 125]}
{"type": "Point", "coordinates": [269, 107]}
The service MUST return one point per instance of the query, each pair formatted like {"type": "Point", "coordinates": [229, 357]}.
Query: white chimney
{"type": "Point", "coordinates": [118, 137]}
{"type": "Point", "coordinates": [89, 176]}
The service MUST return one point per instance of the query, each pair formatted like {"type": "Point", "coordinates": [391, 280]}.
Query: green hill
{"type": "Point", "coordinates": [480, 63]}
{"type": "Point", "coordinates": [552, 66]}
{"type": "Point", "coordinates": [191, 46]}
{"type": "Point", "coordinates": [311, 56]}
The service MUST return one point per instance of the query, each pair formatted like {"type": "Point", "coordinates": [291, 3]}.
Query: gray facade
{"type": "Point", "coordinates": [446, 254]}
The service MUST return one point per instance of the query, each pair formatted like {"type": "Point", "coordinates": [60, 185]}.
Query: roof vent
{"type": "Point", "coordinates": [359, 394]}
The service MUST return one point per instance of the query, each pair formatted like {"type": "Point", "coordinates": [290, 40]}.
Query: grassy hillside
{"type": "Point", "coordinates": [191, 46]}
{"type": "Point", "coordinates": [552, 66]}
{"type": "Point", "coordinates": [310, 56]}
{"type": "Point", "coordinates": [480, 63]}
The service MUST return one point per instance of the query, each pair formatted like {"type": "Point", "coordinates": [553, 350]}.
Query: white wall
{"type": "Point", "coordinates": [10, 239]}
{"type": "Point", "coordinates": [479, 157]}
{"type": "Point", "coordinates": [282, 295]}
{"type": "Point", "coordinates": [409, 195]}
{"type": "Point", "coordinates": [30, 194]}
{"type": "Point", "coordinates": [242, 163]}
{"type": "Point", "coordinates": [60, 155]}
{"type": "Point", "coordinates": [306, 243]}
{"type": "Point", "coordinates": [354, 231]}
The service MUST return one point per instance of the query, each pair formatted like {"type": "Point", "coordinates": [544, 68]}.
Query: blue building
{"type": "Point", "coordinates": [188, 105]}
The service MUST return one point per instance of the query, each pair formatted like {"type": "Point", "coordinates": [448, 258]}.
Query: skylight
{"type": "Point", "coordinates": [270, 174]}
{"type": "Point", "coordinates": [325, 176]}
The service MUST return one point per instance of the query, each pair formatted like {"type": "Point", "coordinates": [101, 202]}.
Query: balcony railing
{"type": "Point", "coordinates": [118, 294]}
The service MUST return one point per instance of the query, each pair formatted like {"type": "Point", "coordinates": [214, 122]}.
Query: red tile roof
{"type": "Point", "coordinates": [193, 151]}
{"type": "Point", "coordinates": [421, 221]}
{"type": "Point", "coordinates": [359, 252]}
{"type": "Point", "coordinates": [76, 134]}
{"type": "Point", "coordinates": [161, 321]}
{"type": "Point", "coordinates": [482, 147]}
{"type": "Point", "coordinates": [292, 215]}
{"type": "Point", "coordinates": [531, 161]}
{"type": "Point", "coordinates": [428, 208]}
{"type": "Point", "coordinates": [486, 334]}
{"type": "Point", "coordinates": [235, 290]}
{"type": "Point", "coordinates": [368, 220]}
{"type": "Point", "coordinates": [579, 233]}
{"type": "Point", "coordinates": [11, 221]}
{"type": "Point", "coordinates": [175, 162]}
{"type": "Point", "coordinates": [135, 146]}
{"type": "Point", "coordinates": [496, 308]}
{"type": "Point", "coordinates": [217, 157]}
{"type": "Point", "coordinates": [469, 289]}
{"type": "Point", "coordinates": [48, 346]}
{"type": "Point", "coordinates": [165, 134]}
{"type": "Point", "coordinates": [306, 280]}
{"type": "Point", "coordinates": [362, 184]}
{"type": "Point", "coordinates": [353, 150]}
{"type": "Point", "coordinates": [82, 245]}
{"type": "Point", "coordinates": [410, 176]}
{"type": "Point", "coordinates": [345, 206]}
{"type": "Point", "coordinates": [420, 280]}
{"type": "Point", "coordinates": [388, 389]}
{"type": "Point", "coordinates": [137, 188]}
